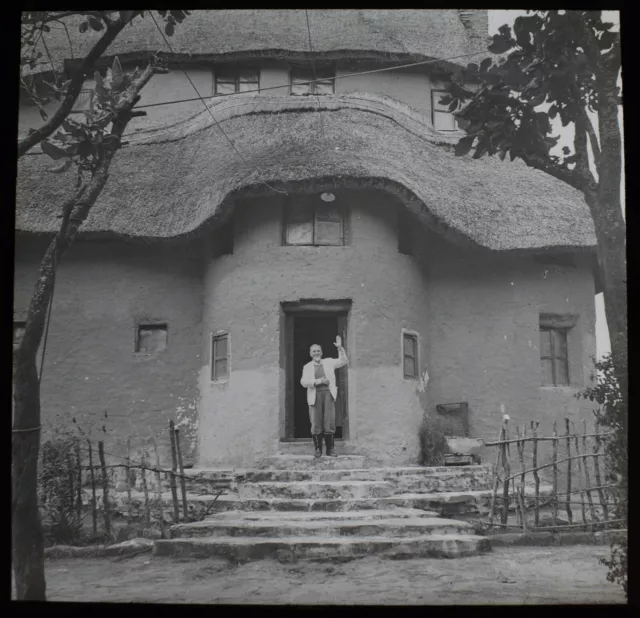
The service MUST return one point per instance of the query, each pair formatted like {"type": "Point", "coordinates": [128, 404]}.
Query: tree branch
{"type": "Point", "coordinates": [77, 81]}
{"type": "Point", "coordinates": [582, 154]}
{"type": "Point", "coordinates": [570, 177]}
{"type": "Point", "coordinates": [593, 138]}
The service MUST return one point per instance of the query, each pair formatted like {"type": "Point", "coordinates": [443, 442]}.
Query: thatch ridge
{"type": "Point", "coordinates": [216, 35]}
{"type": "Point", "coordinates": [182, 180]}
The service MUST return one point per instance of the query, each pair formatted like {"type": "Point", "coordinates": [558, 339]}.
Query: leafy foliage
{"type": "Point", "coordinates": [612, 414]}
{"type": "Point", "coordinates": [556, 67]}
{"type": "Point", "coordinates": [433, 440]}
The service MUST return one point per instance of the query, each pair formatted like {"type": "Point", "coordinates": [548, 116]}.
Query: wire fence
{"type": "Point", "coordinates": [580, 486]}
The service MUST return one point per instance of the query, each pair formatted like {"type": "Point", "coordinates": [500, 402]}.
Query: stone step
{"type": "Point", "coordinates": [305, 516]}
{"type": "Point", "coordinates": [387, 527]}
{"type": "Point", "coordinates": [314, 490]}
{"type": "Point", "coordinates": [305, 447]}
{"type": "Point", "coordinates": [324, 548]}
{"type": "Point", "coordinates": [309, 462]}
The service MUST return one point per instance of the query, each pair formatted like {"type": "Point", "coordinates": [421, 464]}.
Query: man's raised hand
{"type": "Point", "coordinates": [338, 342]}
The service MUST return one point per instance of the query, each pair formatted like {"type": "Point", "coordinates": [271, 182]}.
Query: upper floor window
{"type": "Point", "coordinates": [310, 221]}
{"type": "Point", "coordinates": [442, 118]}
{"type": "Point", "coordinates": [83, 102]}
{"type": "Point", "coordinates": [323, 74]}
{"type": "Point", "coordinates": [230, 81]}
{"type": "Point", "coordinates": [553, 356]}
{"type": "Point", "coordinates": [151, 338]}
{"type": "Point", "coordinates": [220, 356]}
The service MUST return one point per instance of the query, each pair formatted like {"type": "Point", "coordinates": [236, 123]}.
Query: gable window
{"type": "Point", "coordinates": [220, 356]}
{"type": "Point", "coordinates": [151, 338]}
{"type": "Point", "coordinates": [230, 81]}
{"type": "Point", "coordinates": [324, 75]}
{"type": "Point", "coordinates": [310, 221]}
{"type": "Point", "coordinates": [442, 118]}
{"type": "Point", "coordinates": [18, 333]}
{"type": "Point", "coordinates": [410, 355]}
{"type": "Point", "coordinates": [553, 356]}
{"type": "Point", "coordinates": [404, 232]}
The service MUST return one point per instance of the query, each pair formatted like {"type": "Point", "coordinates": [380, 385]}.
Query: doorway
{"type": "Point", "coordinates": [316, 322]}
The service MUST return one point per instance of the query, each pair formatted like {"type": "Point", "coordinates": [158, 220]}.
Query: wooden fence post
{"type": "Point", "coordinates": [105, 488]}
{"type": "Point", "coordinates": [496, 480]}
{"type": "Point", "coordinates": [72, 482]}
{"type": "Point", "coordinates": [183, 486]}
{"type": "Point", "coordinates": [580, 473]}
{"type": "Point", "coordinates": [592, 509]}
{"type": "Point", "coordinates": [174, 466]}
{"type": "Point", "coordinates": [568, 500]}
{"type": "Point", "coordinates": [507, 473]}
{"type": "Point", "coordinates": [159, 488]}
{"type": "Point", "coordinates": [536, 476]}
{"type": "Point", "coordinates": [554, 490]}
{"type": "Point", "coordinates": [145, 489]}
{"type": "Point", "coordinates": [596, 465]}
{"type": "Point", "coordinates": [94, 506]}
{"type": "Point", "coordinates": [79, 487]}
{"type": "Point", "coordinates": [128, 472]}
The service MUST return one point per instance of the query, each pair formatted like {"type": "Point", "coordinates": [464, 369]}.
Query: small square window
{"type": "Point", "coordinates": [410, 355]}
{"type": "Point", "coordinates": [443, 119]}
{"type": "Point", "coordinates": [230, 81]}
{"type": "Point", "coordinates": [220, 356]}
{"type": "Point", "coordinates": [554, 363]}
{"type": "Point", "coordinates": [18, 333]}
{"type": "Point", "coordinates": [321, 76]}
{"type": "Point", "coordinates": [151, 338]}
{"type": "Point", "coordinates": [310, 221]}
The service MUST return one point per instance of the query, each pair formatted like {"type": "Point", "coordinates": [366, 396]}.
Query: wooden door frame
{"type": "Point", "coordinates": [312, 307]}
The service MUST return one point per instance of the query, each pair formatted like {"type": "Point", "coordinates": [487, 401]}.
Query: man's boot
{"type": "Point", "coordinates": [329, 440]}
{"type": "Point", "coordinates": [317, 442]}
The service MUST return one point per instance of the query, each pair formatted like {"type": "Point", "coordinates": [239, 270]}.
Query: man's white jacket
{"type": "Point", "coordinates": [330, 365]}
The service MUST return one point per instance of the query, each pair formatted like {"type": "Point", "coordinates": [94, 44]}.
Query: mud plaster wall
{"type": "Point", "coordinates": [241, 419]}
{"type": "Point", "coordinates": [484, 336]}
{"type": "Point", "coordinates": [102, 291]}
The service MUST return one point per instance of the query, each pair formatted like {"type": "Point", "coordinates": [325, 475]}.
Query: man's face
{"type": "Point", "coordinates": [316, 352]}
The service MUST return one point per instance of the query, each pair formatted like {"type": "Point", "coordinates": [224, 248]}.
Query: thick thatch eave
{"type": "Point", "coordinates": [178, 181]}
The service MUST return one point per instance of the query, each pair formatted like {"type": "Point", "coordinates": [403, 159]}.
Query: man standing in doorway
{"type": "Point", "coordinates": [319, 378]}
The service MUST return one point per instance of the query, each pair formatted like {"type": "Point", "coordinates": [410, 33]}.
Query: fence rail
{"type": "Point", "coordinates": [66, 480]}
{"type": "Point", "coordinates": [510, 482]}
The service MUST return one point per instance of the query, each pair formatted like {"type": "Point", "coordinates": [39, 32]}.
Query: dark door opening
{"type": "Point", "coordinates": [303, 331]}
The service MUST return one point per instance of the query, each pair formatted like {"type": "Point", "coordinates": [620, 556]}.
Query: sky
{"type": "Point", "coordinates": [497, 19]}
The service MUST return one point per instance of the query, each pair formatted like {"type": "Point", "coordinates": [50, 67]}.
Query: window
{"type": "Point", "coordinates": [404, 232]}
{"type": "Point", "coordinates": [18, 333]}
{"type": "Point", "coordinates": [410, 355]}
{"type": "Point", "coordinates": [83, 102]}
{"type": "Point", "coordinates": [310, 221]}
{"type": "Point", "coordinates": [151, 338]}
{"type": "Point", "coordinates": [553, 356]}
{"type": "Point", "coordinates": [220, 356]}
{"type": "Point", "coordinates": [229, 81]}
{"type": "Point", "coordinates": [443, 119]}
{"type": "Point", "coordinates": [323, 74]}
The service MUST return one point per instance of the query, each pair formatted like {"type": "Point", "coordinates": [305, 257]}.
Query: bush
{"type": "Point", "coordinates": [433, 441]}
{"type": "Point", "coordinates": [612, 416]}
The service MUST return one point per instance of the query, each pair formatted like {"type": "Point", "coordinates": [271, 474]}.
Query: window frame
{"type": "Point", "coordinates": [235, 71]}
{"type": "Point", "coordinates": [159, 325]}
{"type": "Point", "coordinates": [218, 336]}
{"type": "Point", "coordinates": [415, 337]}
{"type": "Point", "coordinates": [330, 68]}
{"type": "Point", "coordinates": [553, 357]}
{"type": "Point", "coordinates": [289, 205]}
{"type": "Point", "coordinates": [80, 102]}
{"type": "Point", "coordinates": [434, 111]}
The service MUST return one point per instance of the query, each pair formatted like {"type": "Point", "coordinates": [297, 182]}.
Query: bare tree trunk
{"type": "Point", "coordinates": [28, 551]}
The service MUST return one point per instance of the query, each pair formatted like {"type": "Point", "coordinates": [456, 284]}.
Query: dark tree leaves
{"type": "Point", "coordinates": [464, 145]}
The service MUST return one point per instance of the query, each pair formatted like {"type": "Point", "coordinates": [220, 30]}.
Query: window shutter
{"type": "Point", "coordinates": [328, 225]}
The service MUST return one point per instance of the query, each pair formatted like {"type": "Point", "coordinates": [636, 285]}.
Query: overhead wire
{"type": "Point", "coordinates": [207, 107]}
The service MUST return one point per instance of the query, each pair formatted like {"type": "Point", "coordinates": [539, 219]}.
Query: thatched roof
{"type": "Point", "coordinates": [226, 35]}
{"type": "Point", "coordinates": [170, 183]}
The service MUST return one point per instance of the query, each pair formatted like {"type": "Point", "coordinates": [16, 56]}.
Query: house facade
{"type": "Point", "coordinates": [205, 270]}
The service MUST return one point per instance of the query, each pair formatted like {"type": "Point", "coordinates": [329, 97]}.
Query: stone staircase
{"type": "Point", "coordinates": [297, 506]}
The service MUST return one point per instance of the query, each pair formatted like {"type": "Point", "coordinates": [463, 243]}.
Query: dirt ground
{"type": "Point", "coordinates": [517, 575]}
